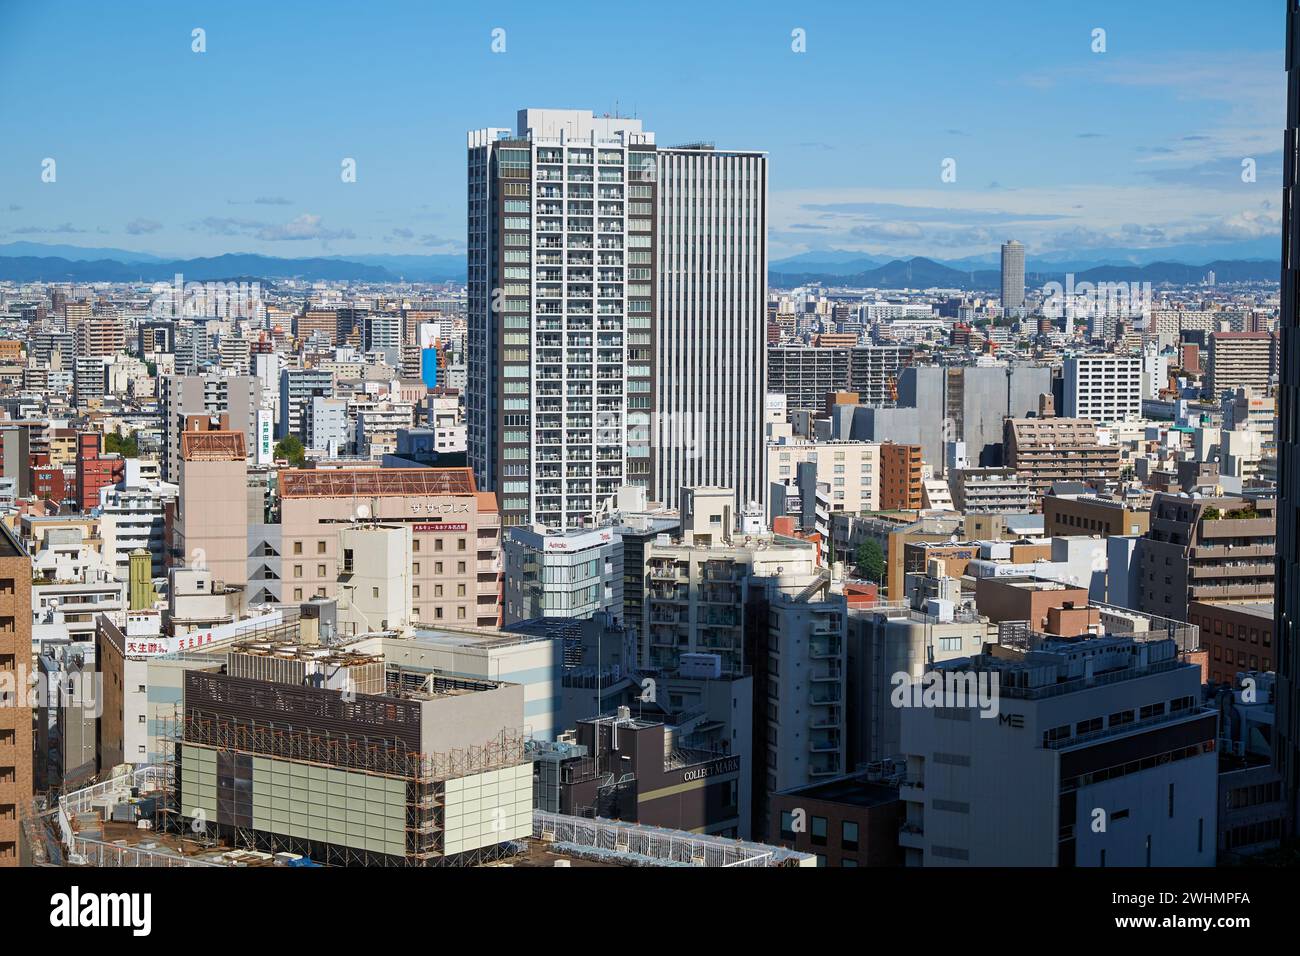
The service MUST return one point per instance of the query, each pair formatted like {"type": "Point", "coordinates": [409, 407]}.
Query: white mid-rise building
{"type": "Point", "coordinates": [132, 516]}
{"type": "Point", "coordinates": [1103, 388]}
{"type": "Point", "coordinates": [1092, 752]}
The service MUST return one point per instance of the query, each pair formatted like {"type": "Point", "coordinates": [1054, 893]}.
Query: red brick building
{"type": "Point", "coordinates": [95, 470]}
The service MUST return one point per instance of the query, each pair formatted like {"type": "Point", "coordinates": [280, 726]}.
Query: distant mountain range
{"type": "Point", "coordinates": [844, 262]}
{"type": "Point", "coordinates": [37, 262]}
{"type": "Point", "coordinates": [922, 273]}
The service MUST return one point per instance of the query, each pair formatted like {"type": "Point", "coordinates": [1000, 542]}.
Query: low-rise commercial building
{"type": "Point", "coordinates": [1075, 733]}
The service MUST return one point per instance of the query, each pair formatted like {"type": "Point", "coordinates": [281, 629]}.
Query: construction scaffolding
{"type": "Point", "coordinates": [359, 753]}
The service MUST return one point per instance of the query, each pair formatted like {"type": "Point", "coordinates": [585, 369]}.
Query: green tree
{"type": "Point", "coordinates": [126, 446]}
{"type": "Point", "coordinates": [871, 561]}
{"type": "Point", "coordinates": [290, 449]}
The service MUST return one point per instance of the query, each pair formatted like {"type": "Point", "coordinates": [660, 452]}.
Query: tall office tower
{"type": "Point", "coordinates": [574, 386]}
{"type": "Point", "coordinates": [711, 341]}
{"type": "Point", "coordinates": [1013, 276]}
{"type": "Point", "coordinates": [1286, 592]}
{"type": "Point", "coordinates": [559, 343]}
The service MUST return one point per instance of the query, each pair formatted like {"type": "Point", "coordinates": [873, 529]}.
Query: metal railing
{"type": "Point", "coordinates": [602, 838]}
{"type": "Point", "coordinates": [86, 850]}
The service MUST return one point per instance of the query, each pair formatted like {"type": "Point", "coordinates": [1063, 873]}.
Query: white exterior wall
{"type": "Point", "coordinates": [711, 339]}
{"type": "Point", "coordinates": [1103, 388]}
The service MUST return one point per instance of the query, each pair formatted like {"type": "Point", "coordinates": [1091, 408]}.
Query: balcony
{"type": "Point", "coordinates": [825, 768]}
{"type": "Point", "coordinates": [824, 743]}
{"type": "Point", "coordinates": [820, 650]}
{"type": "Point", "coordinates": [828, 719]}
{"type": "Point", "coordinates": [1232, 591]}
{"type": "Point", "coordinates": [911, 836]}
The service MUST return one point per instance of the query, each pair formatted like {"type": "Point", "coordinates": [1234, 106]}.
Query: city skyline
{"type": "Point", "coordinates": [593, 437]}
{"type": "Point", "coordinates": [1129, 143]}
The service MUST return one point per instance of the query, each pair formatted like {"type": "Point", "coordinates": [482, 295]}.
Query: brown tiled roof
{"type": "Point", "coordinates": [212, 446]}
{"type": "Point", "coordinates": [375, 482]}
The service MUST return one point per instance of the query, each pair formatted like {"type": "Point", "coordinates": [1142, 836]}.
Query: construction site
{"type": "Point", "coordinates": [287, 751]}
{"type": "Point", "coordinates": [86, 834]}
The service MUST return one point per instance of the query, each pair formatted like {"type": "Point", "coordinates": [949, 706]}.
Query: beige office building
{"type": "Point", "coordinates": [850, 468]}
{"type": "Point", "coordinates": [1241, 360]}
{"type": "Point", "coordinates": [211, 522]}
{"type": "Point", "coordinates": [455, 574]}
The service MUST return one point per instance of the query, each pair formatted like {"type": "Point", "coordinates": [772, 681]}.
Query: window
{"type": "Point", "coordinates": [787, 825]}
{"type": "Point", "coordinates": [320, 547]}
{"type": "Point", "coordinates": [1056, 733]}
{"type": "Point", "coordinates": [415, 568]}
{"type": "Point", "coordinates": [849, 837]}
{"type": "Point", "coordinates": [320, 570]}
{"type": "Point", "coordinates": [297, 547]}
{"type": "Point", "coordinates": [297, 594]}
{"type": "Point", "coordinates": [819, 831]}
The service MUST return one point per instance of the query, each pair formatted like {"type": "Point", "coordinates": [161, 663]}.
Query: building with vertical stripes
{"type": "Point", "coordinates": [711, 337]}
{"type": "Point", "coordinates": [616, 326]}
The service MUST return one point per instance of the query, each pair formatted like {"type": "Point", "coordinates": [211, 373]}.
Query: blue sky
{"type": "Point", "coordinates": [238, 149]}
